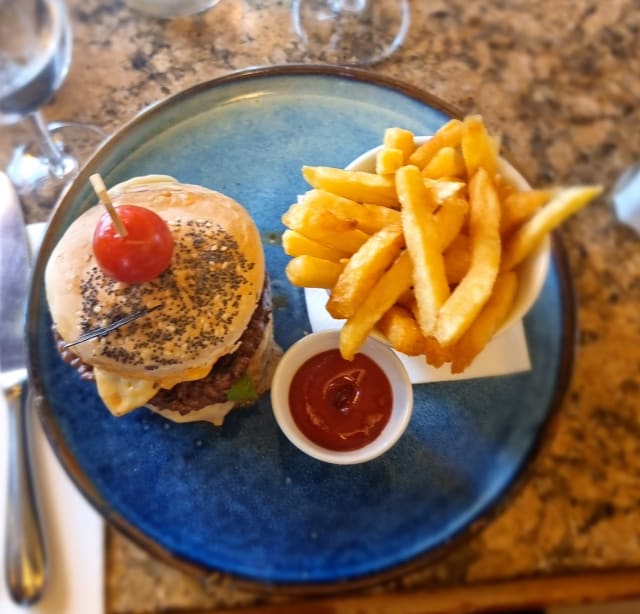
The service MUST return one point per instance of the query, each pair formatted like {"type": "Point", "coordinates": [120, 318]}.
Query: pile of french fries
{"type": "Point", "coordinates": [427, 248]}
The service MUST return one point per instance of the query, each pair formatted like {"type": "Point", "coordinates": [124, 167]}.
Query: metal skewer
{"type": "Point", "coordinates": [104, 330]}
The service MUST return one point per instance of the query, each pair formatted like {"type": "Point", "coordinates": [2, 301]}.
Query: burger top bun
{"type": "Point", "coordinates": [207, 295]}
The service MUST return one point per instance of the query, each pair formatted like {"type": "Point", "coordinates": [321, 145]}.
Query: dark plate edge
{"type": "Point", "coordinates": [85, 486]}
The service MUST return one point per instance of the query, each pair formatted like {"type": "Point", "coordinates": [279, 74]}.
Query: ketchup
{"type": "Point", "coordinates": [340, 404]}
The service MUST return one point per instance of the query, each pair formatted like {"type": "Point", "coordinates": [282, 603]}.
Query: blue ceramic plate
{"type": "Point", "coordinates": [241, 499]}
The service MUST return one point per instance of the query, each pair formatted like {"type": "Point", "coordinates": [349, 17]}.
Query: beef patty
{"type": "Point", "coordinates": [189, 396]}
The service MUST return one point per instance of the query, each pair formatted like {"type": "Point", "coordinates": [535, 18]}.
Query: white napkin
{"type": "Point", "coordinates": [505, 353]}
{"type": "Point", "coordinates": [74, 531]}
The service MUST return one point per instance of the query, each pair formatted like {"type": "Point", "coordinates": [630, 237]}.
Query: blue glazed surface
{"type": "Point", "coordinates": [241, 498]}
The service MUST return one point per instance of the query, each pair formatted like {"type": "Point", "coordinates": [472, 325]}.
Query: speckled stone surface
{"type": "Point", "coordinates": [560, 80]}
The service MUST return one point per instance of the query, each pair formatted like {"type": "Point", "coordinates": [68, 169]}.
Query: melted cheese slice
{"type": "Point", "coordinates": [124, 394]}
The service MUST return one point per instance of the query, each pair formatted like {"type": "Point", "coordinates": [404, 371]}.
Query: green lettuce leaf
{"type": "Point", "coordinates": [242, 390]}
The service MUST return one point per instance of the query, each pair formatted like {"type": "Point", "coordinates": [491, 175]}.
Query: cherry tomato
{"type": "Point", "coordinates": [140, 256]}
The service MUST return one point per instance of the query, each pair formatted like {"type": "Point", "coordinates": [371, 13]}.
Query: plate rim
{"type": "Point", "coordinates": [255, 585]}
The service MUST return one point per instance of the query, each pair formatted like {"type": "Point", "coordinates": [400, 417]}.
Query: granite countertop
{"type": "Point", "coordinates": [560, 80]}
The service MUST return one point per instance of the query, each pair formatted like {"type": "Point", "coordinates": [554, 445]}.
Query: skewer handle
{"type": "Point", "coordinates": [103, 195]}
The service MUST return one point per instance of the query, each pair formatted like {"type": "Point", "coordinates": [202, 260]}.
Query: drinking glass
{"type": "Point", "coordinates": [351, 32]}
{"type": "Point", "coordinates": [35, 53]}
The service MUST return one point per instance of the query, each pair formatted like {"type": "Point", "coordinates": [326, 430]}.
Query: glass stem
{"type": "Point", "coordinates": [49, 149]}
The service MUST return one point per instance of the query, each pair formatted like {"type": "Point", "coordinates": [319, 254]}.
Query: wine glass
{"type": "Point", "coordinates": [351, 32]}
{"type": "Point", "coordinates": [35, 53]}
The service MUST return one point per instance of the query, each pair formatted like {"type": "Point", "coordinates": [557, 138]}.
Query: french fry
{"type": "Point", "coordinates": [407, 299]}
{"type": "Point", "coordinates": [303, 216]}
{"type": "Point", "coordinates": [520, 206]}
{"type": "Point", "coordinates": [488, 322]}
{"type": "Point", "coordinates": [383, 295]}
{"type": "Point", "coordinates": [434, 354]}
{"type": "Point", "coordinates": [401, 329]}
{"type": "Point", "coordinates": [447, 136]}
{"type": "Point", "coordinates": [447, 162]}
{"type": "Point", "coordinates": [474, 290]}
{"type": "Point", "coordinates": [368, 218]}
{"type": "Point", "coordinates": [389, 160]}
{"type": "Point", "coordinates": [449, 219]}
{"type": "Point", "coordinates": [411, 305]}
{"type": "Point", "coordinates": [311, 272]}
{"type": "Point", "coordinates": [444, 189]}
{"type": "Point", "coordinates": [377, 217]}
{"type": "Point", "coordinates": [504, 188]}
{"type": "Point", "coordinates": [324, 227]}
{"type": "Point", "coordinates": [356, 185]}
{"type": "Point", "coordinates": [295, 244]}
{"type": "Point", "coordinates": [457, 259]}
{"type": "Point", "coordinates": [423, 243]}
{"type": "Point", "coordinates": [478, 148]}
{"type": "Point", "coordinates": [398, 138]}
{"type": "Point", "coordinates": [363, 270]}
{"type": "Point", "coordinates": [564, 204]}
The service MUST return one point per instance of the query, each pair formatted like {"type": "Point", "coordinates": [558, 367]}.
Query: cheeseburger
{"type": "Point", "coordinates": [207, 346]}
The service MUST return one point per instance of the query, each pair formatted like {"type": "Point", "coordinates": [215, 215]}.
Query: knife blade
{"type": "Point", "coordinates": [25, 559]}
{"type": "Point", "coordinates": [14, 283]}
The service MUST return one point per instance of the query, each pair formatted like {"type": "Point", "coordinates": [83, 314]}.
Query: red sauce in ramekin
{"type": "Point", "coordinates": [340, 404]}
